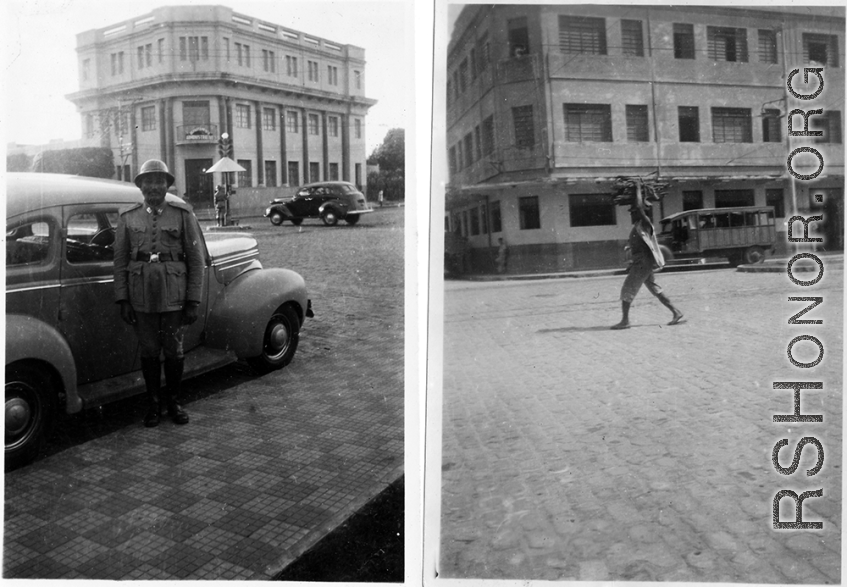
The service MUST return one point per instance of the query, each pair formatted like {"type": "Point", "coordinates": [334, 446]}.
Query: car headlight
{"type": "Point", "coordinates": [267, 212]}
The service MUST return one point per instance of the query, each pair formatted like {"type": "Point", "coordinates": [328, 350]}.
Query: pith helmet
{"type": "Point", "coordinates": [154, 166]}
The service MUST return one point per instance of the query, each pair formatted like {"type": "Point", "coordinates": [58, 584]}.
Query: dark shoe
{"type": "Point", "coordinates": [151, 419]}
{"type": "Point", "coordinates": [677, 319]}
{"type": "Point", "coordinates": [177, 414]}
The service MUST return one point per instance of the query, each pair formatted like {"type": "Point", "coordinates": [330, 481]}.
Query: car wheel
{"type": "Point", "coordinates": [296, 221]}
{"type": "Point", "coordinates": [754, 255]}
{"type": "Point", "coordinates": [352, 219]}
{"type": "Point", "coordinates": [329, 217]}
{"type": "Point", "coordinates": [280, 341]}
{"type": "Point", "coordinates": [276, 218]}
{"type": "Point", "coordinates": [30, 406]}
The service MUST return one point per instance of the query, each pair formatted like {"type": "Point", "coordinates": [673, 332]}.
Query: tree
{"type": "Point", "coordinates": [87, 161]}
{"type": "Point", "coordinates": [18, 162]}
{"type": "Point", "coordinates": [391, 158]}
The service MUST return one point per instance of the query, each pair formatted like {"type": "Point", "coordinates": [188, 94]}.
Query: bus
{"type": "Point", "coordinates": [741, 234]}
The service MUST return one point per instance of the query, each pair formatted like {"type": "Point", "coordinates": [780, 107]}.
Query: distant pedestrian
{"type": "Point", "coordinates": [158, 269]}
{"type": "Point", "coordinates": [220, 205]}
{"type": "Point", "coordinates": [502, 256]}
{"type": "Point", "coordinates": [646, 257]}
{"type": "Point", "coordinates": [380, 198]}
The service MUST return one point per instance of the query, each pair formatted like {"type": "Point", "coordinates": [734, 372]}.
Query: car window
{"type": "Point", "coordinates": [304, 192]}
{"type": "Point", "coordinates": [29, 243]}
{"type": "Point", "coordinates": [91, 237]}
{"type": "Point", "coordinates": [346, 189]}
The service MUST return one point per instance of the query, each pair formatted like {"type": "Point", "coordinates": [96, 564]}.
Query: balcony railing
{"type": "Point", "coordinates": [194, 134]}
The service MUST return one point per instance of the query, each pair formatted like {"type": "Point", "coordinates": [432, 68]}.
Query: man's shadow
{"type": "Point", "coordinates": [588, 328]}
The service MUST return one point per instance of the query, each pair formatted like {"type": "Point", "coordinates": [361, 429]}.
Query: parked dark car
{"type": "Point", "coordinates": [330, 201]}
{"type": "Point", "coordinates": [66, 346]}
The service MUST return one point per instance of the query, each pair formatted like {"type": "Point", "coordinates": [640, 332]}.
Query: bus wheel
{"type": "Point", "coordinates": [754, 255]}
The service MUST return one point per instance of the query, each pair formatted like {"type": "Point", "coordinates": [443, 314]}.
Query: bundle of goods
{"type": "Point", "coordinates": [626, 188]}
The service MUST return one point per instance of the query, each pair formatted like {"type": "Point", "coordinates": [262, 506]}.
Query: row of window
{"type": "Point", "coordinates": [194, 49]}
{"type": "Point", "coordinates": [599, 209]}
{"type": "Point", "coordinates": [245, 178]}
{"type": "Point", "coordinates": [197, 113]}
{"type": "Point", "coordinates": [589, 123]}
{"type": "Point", "coordinates": [586, 35]}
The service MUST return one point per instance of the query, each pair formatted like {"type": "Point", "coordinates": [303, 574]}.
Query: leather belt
{"type": "Point", "coordinates": [158, 257]}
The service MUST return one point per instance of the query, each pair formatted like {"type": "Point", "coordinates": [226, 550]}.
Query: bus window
{"type": "Point", "coordinates": [707, 221]}
{"type": "Point", "coordinates": [722, 220]}
{"type": "Point", "coordinates": [751, 219]}
{"type": "Point", "coordinates": [766, 219]}
{"type": "Point", "coordinates": [736, 219]}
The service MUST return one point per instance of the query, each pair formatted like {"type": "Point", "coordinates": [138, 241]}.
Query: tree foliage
{"type": "Point", "coordinates": [87, 161]}
{"type": "Point", "coordinates": [18, 162]}
{"type": "Point", "coordinates": [391, 158]}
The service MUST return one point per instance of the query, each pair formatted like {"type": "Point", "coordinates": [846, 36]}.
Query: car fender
{"type": "Point", "coordinates": [30, 339]}
{"type": "Point", "coordinates": [241, 312]}
{"type": "Point", "coordinates": [282, 209]}
{"type": "Point", "coordinates": [340, 209]}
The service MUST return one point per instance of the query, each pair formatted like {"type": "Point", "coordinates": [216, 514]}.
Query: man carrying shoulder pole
{"type": "Point", "coordinates": [646, 256]}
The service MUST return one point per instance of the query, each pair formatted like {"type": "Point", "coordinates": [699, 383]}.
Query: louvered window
{"type": "Point", "coordinates": [683, 41]}
{"type": "Point", "coordinates": [767, 46]}
{"type": "Point", "coordinates": [636, 124]}
{"type": "Point", "coordinates": [830, 123]}
{"type": "Point", "coordinates": [588, 123]}
{"type": "Point", "coordinates": [488, 135]}
{"type": "Point", "coordinates": [770, 126]}
{"type": "Point", "coordinates": [524, 127]}
{"type": "Point", "coordinates": [731, 125]}
{"type": "Point", "coordinates": [582, 34]}
{"type": "Point", "coordinates": [727, 44]}
{"type": "Point", "coordinates": [632, 38]}
{"type": "Point", "coordinates": [822, 49]}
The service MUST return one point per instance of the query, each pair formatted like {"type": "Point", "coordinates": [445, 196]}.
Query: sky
{"type": "Point", "coordinates": [40, 64]}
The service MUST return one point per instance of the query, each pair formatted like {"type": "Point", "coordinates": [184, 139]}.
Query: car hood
{"type": "Point", "coordinates": [232, 255]}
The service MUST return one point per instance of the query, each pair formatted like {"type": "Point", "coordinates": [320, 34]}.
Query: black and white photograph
{"type": "Point", "coordinates": [635, 373]}
{"type": "Point", "coordinates": [206, 284]}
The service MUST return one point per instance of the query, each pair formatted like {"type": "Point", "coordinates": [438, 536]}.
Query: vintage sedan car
{"type": "Point", "coordinates": [67, 348]}
{"type": "Point", "coordinates": [330, 201]}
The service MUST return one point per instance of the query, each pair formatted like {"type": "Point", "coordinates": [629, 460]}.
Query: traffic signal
{"type": "Point", "coordinates": [225, 147]}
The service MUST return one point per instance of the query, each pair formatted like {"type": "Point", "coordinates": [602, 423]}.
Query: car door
{"type": "Point", "coordinates": [302, 202]}
{"type": "Point", "coordinates": [103, 345]}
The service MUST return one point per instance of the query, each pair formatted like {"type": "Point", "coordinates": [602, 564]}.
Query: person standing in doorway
{"type": "Point", "coordinates": [502, 256]}
{"type": "Point", "coordinates": [158, 267]}
{"type": "Point", "coordinates": [646, 257]}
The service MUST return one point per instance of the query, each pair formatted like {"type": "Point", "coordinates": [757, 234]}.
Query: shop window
{"type": "Point", "coordinates": [592, 210]}
{"type": "Point", "coordinates": [529, 213]}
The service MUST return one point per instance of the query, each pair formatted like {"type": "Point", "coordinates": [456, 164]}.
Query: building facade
{"type": "Point", "coordinates": [171, 83]}
{"type": "Point", "coordinates": [547, 104]}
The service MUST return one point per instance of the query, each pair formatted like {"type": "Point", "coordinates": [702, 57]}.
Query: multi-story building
{"type": "Point", "coordinates": [169, 84]}
{"type": "Point", "coordinates": [547, 104]}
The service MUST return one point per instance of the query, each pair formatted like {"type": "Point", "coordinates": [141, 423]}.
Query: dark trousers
{"type": "Point", "coordinates": [159, 332]}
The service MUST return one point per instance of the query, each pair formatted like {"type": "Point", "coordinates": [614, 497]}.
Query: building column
{"type": "Point", "coordinates": [171, 147]}
{"type": "Point", "coordinates": [325, 146]}
{"type": "Point", "coordinates": [228, 109]}
{"type": "Point", "coordinates": [163, 131]}
{"type": "Point", "coordinates": [260, 157]}
{"type": "Point", "coordinates": [307, 176]}
{"type": "Point", "coordinates": [283, 157]}
{"type": "Point", "coordinates": [345, 147]}
{"type": "Point", "coordinates": [133, 139]}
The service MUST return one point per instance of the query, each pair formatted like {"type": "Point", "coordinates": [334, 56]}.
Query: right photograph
{"type": "Point", "coordinates": [643, 225]}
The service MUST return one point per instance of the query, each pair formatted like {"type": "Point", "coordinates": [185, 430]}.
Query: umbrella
{"type": "Point", "coordinates": [225, 165]}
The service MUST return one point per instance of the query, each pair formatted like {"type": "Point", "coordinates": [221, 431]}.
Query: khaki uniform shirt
{"type": "Point", "coordinates": [164, 286]}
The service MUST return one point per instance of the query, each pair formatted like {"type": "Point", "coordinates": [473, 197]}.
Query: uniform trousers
{"type": "Point", "coordinates": [160, 331]}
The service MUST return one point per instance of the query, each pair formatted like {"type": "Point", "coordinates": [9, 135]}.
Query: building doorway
{"type": "Point", "coordinates": [198, 184]}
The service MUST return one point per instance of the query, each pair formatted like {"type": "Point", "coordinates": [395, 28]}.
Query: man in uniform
{"type": "Point", "coordinates": [646, 256]}
{"type": "Point", "coordinates": [159, 264]}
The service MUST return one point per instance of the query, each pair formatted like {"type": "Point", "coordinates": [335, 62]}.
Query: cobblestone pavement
{"type": "Point", "coordinates": [267, 466]}
{"type": "Point", "coordinates": [571, 451]}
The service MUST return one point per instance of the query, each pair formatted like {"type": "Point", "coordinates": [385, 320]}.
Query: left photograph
{"type": "Point", "coordinates": [205, 217]}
